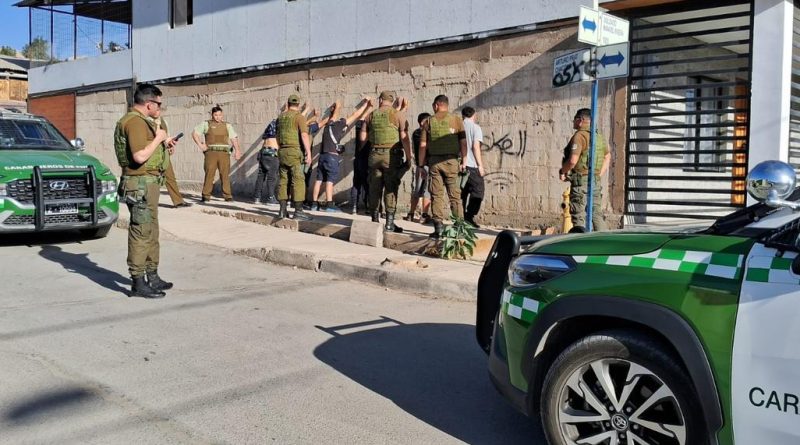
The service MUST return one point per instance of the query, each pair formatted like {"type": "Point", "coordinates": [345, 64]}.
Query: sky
{"type": "Point", "coordinates": [14, 29]}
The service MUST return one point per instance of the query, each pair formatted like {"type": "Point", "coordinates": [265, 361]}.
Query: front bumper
{"type": "Point", "coordinates": [20, 218]}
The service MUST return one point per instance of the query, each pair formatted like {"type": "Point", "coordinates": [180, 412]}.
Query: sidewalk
{"type": "Point", "coordinates": [377, 265]}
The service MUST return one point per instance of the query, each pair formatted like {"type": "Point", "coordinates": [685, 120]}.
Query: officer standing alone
{"type": "Point", "coordinates": [575, 170]}
{"type": "Point", "coordinates": [442, 142]}
{"type": "Point", "coordinates": [219, 136]}
{"type": "Point", "coordinates": [294, 151]}
{"type": "Point", "coordinates": [387, 131]}
{"type": "Point", "coordinates": [141, 149]}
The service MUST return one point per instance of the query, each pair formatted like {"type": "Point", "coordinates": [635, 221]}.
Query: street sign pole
{"type": "Point", "coordinates": [593, 139]}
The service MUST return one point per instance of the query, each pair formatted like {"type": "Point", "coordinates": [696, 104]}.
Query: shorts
{"type": "Point", "coordinates": [422, 187]}
{"type": "Point", "coordinates": [328, 167]}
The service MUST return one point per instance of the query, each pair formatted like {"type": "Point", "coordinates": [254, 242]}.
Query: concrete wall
{"type": "Point", "coordinates": [109, 67]}
{"type": "Point", "coordinates": [243, 33]}
{"type": "Point", "coordinates": [526, 122]}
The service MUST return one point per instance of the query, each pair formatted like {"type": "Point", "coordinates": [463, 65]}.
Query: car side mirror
{"type": "Point", "coordinates": [78, 143]}
{"type": "Point", "coordinates": [771, 182]}
{"type": "Point", "coordinates": [796, 265]}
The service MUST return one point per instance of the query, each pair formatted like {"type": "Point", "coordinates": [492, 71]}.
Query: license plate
{"type": "Point", "coordinates": [61, 209]}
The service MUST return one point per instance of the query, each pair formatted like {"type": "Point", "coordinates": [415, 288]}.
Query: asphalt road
{"type": "Point", "coordinates": [240, 352]}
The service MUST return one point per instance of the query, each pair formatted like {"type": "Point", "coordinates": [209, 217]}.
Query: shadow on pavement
{"type": "Point", "coordinates": [42, 406]}
{"type": "Point", "coordinates": [435, 372]}
{"type": "Point", "coordinates": [80, 263]}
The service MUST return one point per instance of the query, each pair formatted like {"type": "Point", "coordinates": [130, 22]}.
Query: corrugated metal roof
{"type": "Point", "coordinates": [14, 64]}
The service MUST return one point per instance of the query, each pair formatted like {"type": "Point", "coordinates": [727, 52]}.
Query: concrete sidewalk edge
{"type": "Point", "coordinates": [405, 281]}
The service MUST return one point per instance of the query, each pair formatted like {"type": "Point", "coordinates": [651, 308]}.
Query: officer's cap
{"type": "Point", "coordinates": [388, 95]}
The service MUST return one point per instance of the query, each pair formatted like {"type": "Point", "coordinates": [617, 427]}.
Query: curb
{"type": "Point", "coordinates": [400, 280]}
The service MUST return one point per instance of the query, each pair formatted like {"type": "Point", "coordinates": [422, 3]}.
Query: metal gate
{"type": "Point", "coordinates": [794, 112]}
{"type": "Point", "coordinates": [688, 113]}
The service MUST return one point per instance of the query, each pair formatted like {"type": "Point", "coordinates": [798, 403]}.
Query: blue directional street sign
{"type": "Point", "coordinates": [589, 26]}
{"type": "Point", "coordinates": [612, 61]}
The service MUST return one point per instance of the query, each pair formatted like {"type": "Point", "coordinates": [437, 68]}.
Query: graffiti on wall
{"type": "Point", "coordinates": [505, 145]}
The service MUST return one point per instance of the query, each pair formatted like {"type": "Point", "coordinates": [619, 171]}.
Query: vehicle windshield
{"type": "Point", "coordinates": [30, 134]}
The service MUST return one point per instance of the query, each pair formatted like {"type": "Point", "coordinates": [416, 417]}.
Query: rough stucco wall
{"type": "Point", "coordinates": [526, 122]}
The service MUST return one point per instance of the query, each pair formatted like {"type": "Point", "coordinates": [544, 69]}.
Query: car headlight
{"type": "Point", "coordinates": [109, 186]}
{"type": "Point", "coordinates": [528, 270]}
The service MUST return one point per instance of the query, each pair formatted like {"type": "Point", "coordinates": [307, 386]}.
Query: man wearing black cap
{"type": "Point", "coordinates": [295, 150]}
{"type": "Point", "coordinates": [386, 128]}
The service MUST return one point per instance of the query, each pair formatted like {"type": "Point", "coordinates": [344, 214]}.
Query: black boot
{"type": "Point", "coordinates": [376, 216]}
{"type": "Point", "coordinates": [300, 214]}
{"type": "Point", "coordinates": [156, 282]}
{"type": "Point", "coordinates": [437, 230]}
{"type": "Point", "coordinates": [283, 213]}
{"type": "Point", "coordinates": [390, 225]}
{"type": "Point", "coordinates": [140, 288]}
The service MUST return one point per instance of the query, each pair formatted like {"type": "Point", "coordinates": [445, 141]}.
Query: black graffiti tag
{"type": "Point", "coordinates": [505, 144]}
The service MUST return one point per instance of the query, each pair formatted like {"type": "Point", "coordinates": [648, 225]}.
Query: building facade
{"type": "Point", "coordinates": [708, 95]}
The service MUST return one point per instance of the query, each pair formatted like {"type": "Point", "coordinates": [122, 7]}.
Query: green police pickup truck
{"type": "Point", "coordinates": [690, 337]}
{"type": "Point", "coordinates": [48, 183]}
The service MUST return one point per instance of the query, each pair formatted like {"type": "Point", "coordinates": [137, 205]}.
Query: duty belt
{"type": "Point", "coordinates": [226, 149]}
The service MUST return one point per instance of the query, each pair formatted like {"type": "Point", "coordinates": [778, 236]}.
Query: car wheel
{"type": "Point", "coordinates": [619, 388]}
{"type": "Point", "coordinates": [99, 232]}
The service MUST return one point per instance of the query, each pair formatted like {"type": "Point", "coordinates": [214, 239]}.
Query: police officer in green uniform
{"type": "Point", "coordinates": [141, 148]}
{"type": "Point", "coordinates": [292, 132]}
{"type": "Point", "coordinates": [442, 142]}
{"type": "Point", "coordinates": [387, 131]}
{"type": "Point", "coordinates": [575, 169]}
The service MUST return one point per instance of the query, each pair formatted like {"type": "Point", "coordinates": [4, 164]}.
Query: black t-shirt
{"type": "Point", "coordinates": [415, 140]}
{"type": "Point", "coordinates": [332, 135]}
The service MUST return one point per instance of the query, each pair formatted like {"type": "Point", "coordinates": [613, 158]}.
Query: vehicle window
{"type": "Point", "coordinates": [31, 135]}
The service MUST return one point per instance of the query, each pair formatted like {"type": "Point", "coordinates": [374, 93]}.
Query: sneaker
{"type": "Point", "coordinates": [257, 201]}
{"type": "Point", "coordinates": [271, 200]}
{"type": "Point", "coordinates": [314, 207]}
{"type": "Point", "coordinates": [355, 210]}
{"type": "Point", "coordinates": [332, 209]}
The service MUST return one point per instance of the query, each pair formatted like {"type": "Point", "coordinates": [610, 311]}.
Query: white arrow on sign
{"type": "Point", "coordinates": [571, 68]}
{"type": "Point", "coordinates": [589, 26]}
{"type": "Point", "coordinates": [612, 61]}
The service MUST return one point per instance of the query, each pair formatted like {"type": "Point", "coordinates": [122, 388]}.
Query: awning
{"type": "Point", "coordinates": [113, 11]}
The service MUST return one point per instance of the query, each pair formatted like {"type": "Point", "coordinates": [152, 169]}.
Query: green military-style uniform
{"type": "Point", "coordinates": [579, 179]}
{"type": "Point", "coordinates": [291, 124]}
{"type": "Point", "coordinates": [140, 184]}
{"type": "Point", "coordinates": [386, 158]}
{"type": "Point", "coordinates": [444, 132]}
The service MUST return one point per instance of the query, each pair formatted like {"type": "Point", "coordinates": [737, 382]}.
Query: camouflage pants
{"type": "Point", "coordinates": [578, 197]}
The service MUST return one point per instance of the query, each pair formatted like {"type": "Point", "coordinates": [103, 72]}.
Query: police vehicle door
{"type": "Point", "coordinates": [766, 350]}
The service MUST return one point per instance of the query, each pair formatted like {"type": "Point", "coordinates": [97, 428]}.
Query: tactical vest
{"type": "Point", "coordinates": [288, 134]}
{"type": "Point", "coordinates": [217, 134]}
{"type": "Point", "coordinates": [158, 161]}
{"type": "Point", "coordinates": [382, 129]}
{"type": "Point", "coordinates": [443, 140]}
{"type": "Point", "coordinates": [600, 150]}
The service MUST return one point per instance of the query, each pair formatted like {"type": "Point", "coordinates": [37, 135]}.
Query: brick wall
{"type": "Point", "coordinates": [60, 110]}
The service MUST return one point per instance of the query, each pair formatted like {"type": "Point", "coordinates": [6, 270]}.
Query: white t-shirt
{"type": "Point", "coordinates": [474, 133]}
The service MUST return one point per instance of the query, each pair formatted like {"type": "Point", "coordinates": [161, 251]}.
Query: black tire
{"type": "Point", "coordinates": [97, 233]}
{"type": "Point", "coordinates": [615, 353]}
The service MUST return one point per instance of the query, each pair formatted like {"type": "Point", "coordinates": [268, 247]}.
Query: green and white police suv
{"type": "Point", "coordinates": [49, 183]}
{"type": "Point", "coordinates": [654, 338]}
